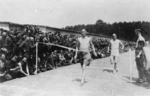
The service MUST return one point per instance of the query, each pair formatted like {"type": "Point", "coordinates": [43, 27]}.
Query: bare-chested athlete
{"type": "Point", "coordinates": [84, 44]}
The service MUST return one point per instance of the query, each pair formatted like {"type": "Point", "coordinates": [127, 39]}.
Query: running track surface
{"type": "Point", "coordinates": [65, 81]}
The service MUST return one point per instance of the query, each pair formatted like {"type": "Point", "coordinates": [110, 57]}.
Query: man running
{"type": "Point", "coordinates": [83, 44]}
{"type": "Point", "coordinates": [114, 46]}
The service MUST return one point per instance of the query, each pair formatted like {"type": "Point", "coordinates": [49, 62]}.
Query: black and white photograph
{"type": "Point", "coordinates": [74, 47]}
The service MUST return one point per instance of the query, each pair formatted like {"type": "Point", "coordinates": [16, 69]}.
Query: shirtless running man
{"type": "Point", "coordinates": [83, 44]}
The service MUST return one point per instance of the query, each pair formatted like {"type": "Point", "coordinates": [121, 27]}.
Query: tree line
{"type": "Point", "coordinates": [124, 30]}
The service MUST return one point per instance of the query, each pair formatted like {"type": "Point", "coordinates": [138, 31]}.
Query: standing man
{"type": "Point", "coordinates": [83, 44]}
{"type": "Point", "coordinates": [139, 59]}
{"type": "Point", "coordinates": [142, 56]}
{"type": "Point", "coordinates": [114, 46]}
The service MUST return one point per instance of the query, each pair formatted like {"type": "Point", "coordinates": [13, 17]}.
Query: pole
{"type": "Point", "coordinates": [130, 64]}
{"type": "Point", "coordinates": [36, 66]}
{"type": "Point", "coordinates": [27, 69]}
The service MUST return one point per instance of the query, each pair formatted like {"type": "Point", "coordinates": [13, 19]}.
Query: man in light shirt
{"type": "Point", "coordinates": [83, 46]}
{"type": "Point", "coordinates": [142, 58]}
{"type": "Point", "coordinates": [114, 48]}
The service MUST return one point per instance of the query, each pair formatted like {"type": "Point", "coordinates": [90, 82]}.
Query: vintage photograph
{"type": "Point", "coordinates": [75, 48]}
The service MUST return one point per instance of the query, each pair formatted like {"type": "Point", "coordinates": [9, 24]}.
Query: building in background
{"type": "Point", "coordinates": [45, 29]}
{"type": "Point", "coordinates": [4, 25]}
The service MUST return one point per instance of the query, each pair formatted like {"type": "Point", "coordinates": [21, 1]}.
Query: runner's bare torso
{"type": "Point", "coordinates": [84, 43]}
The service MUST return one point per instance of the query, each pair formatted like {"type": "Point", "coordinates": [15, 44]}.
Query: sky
{"type": "Point", "coordinates": [61, 13]}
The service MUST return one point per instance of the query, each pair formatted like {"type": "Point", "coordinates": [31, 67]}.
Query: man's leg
{"type": "Point", "coordinates": [115, 63]}
{"type": "Point", "coordinates": [147, 75]}
{"type": "Point", "coordinates": [112, 60]}
{"type": "Point", "coordinates": [141, 71]}
{"type": "Point", "coordinates": [83, 73]}
{"type": "Point", "coordinates": [86, 62]}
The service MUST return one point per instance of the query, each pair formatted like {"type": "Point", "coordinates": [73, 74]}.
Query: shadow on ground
{"type": "Point", "coordinates": [108, 70]}
{"type": "Point", "coordinates": [143, 84]}
{"type": "Point", "coordinates": [78, 80]}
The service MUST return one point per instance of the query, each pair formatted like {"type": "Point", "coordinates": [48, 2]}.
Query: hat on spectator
{"type": "Point", "coordinates": [138, 31]}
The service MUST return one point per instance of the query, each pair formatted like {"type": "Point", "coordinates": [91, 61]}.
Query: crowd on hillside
{"type": "Point", "coordinates": [18, 51]}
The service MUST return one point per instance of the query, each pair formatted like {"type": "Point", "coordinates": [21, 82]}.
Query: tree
{"type": "Point", "coordinates": [124, 30]}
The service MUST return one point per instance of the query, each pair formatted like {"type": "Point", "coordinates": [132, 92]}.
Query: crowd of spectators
{"type": "Point", "coordinates": [18, 51]}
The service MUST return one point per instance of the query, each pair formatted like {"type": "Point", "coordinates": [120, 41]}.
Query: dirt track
{"type": "Point", "coordinates": [65, 81]}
